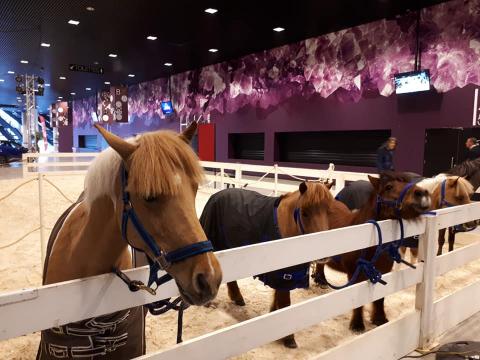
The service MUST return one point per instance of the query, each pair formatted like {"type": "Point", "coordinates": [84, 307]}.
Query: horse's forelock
{"type": "Point", "coordinates": [316, 194]}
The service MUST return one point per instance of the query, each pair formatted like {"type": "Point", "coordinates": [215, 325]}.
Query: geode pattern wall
{"type": "Point", "coordinates": [349, 65]}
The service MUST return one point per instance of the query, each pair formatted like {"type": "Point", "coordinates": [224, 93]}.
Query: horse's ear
{"type": "Point", "coordinates": [122, 147]}
{"type": "Point", "coordinates": [374, 181]}
{"type": "Point", "coordinates": [302, 187]}
{"type": "Point", "coordinates": [187, 134]}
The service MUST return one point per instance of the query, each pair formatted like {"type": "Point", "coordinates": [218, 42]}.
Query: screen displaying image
{"type": "Point", "coordinates": [167, 107]}
{"type": "Point", "coordinates": [412, 82]}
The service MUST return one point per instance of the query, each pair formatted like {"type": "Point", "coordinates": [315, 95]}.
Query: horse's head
{"type": "Point", "coordinates": [162, 175]}
{"type": "Point", "coordinates": [397, 196]}
{"type": "Point", "coordinates": [314, 200]}
{"type": "Point", "coordinates": [452, 191]}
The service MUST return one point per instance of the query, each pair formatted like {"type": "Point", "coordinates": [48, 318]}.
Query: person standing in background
{"type": "Point", "coordinates": [473, 148]}
{"type": "Point", "coordinates": [385, 155]}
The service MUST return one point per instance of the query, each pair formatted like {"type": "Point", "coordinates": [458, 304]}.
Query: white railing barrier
{"type": "Point", "coordinates": [79, 299]}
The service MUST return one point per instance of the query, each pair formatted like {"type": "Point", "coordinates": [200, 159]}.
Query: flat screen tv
{"type": "Point", "coordinates": [167, 107]}
{"type": "Point", "coordinates": [413, 81]}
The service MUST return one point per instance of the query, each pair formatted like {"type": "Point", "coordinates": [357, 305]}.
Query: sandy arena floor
{"type": "Point", "coordinates": [20, 268]}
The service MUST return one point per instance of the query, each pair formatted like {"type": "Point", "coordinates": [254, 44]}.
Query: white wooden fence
{"type": "Point", "coordinates": [80, 299]}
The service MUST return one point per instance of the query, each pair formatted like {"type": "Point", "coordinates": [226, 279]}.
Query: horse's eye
{"type": "Point", "coordinates": [150, 198]}
{"type": "Point", "coordinates": [388, 187]}
{"type": "Point", "coordinates": [305, 214]}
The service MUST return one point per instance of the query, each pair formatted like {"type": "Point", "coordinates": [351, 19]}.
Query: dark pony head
{"type": "Point", "coordinates": [470, 170]}
{"type": "Point", "coordinates": [397, 196]}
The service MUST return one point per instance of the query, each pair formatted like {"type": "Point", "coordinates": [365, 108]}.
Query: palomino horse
{"type": "Point", "coordinates": [393, 196]}
{"type": "Point", "coordinates": [141, 191]}
{"type": "Point", "coordinates": [238, 217]}
{"type": "Point", "coordinates": [446, 191]}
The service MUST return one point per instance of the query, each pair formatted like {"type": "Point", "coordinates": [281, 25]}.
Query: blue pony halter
{"type": "Point", "coordinates": [443, 191]}
{"type": "Point", "coordinates": [396, 204]}
{"type": "Point", "coordinates": [161, 260]}
{"type": "Point", "coordinates": [297, 217]}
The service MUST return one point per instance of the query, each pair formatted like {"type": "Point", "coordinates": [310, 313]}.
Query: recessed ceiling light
{"type": "Point", "coordinates": [11, 72]}
{"type": "Point", "coordinates": [107, 82]}
{"type": "Point", "coordinates": [45, 44]}
{"type": "Point", "coordinates": [72, 93]}
{"type": "Point", "coordinates": [213, 50]}
{"type": "Point", "coordinates": [211, 10]}
{"type": "Point", "coordinates": [62, 78]}
{"type": "Point", "coordinates": [18, 98]}
{"type": "Point", "coordinates": [47, 85]}
{"type": "Point", "coordinates": [24, 61]}
{"type": "Point", "coordinates": [90, 8]}
{"type": "Point", "coordinates": [151, 37]}
{"type": "Point", "coordinates": [131, 75]}
{"type": "Point", "coordinates": [2, 80]}
{"type": "Point", "coordinates": [278, 29]}
{"type": "Point", "coordinates": [60, 97]}
{"type": "Point", "coordinates": [112, 55]}
{"type": "Point", "coordinates": [168, 64]}
{"type": "Point", "coordinates": [73, 22]}
{"type": "Point", "coordinates": [96, 63]}
{"type": "Point", "coordinates": [88, 89]}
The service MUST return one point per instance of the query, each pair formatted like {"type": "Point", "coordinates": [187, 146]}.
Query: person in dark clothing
{"type": "Point", "coordinates": [385, 155]}
{"type": "Point", "coordinates": [473, 148]}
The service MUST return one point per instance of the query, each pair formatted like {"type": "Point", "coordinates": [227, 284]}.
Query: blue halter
{"type": "Point", "coordinates": [396, 204]}
{"type": "Point", "coordinates": [443, 191]}
{"type": "Point", "coordinates": [161, 260]}
{"type": "Point", "coordinates": [297, 217]}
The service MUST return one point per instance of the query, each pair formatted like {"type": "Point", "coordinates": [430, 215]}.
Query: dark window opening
{"type": "Point", "coordinates": [87, 141]}
{"type": "Point", "coordinates": [249, 146]}
{"type": "Point", "coordinates": [354, 148]}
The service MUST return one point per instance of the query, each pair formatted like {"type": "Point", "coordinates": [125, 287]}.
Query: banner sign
{"type": "Point", "coordinates": [120, 103]}
{"type": "Point", "coordinates": [60, 112]}
{"type": "Point", "coordinates": [87, 68]}
{"type": "Point", "coordinates": [105, 108]}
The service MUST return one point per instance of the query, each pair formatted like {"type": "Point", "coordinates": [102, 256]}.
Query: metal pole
{"type": "Point", "coordinates": [43, 243]}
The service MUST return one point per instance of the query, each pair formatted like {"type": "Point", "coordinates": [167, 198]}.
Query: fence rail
{"type": "Point", "coordinates": [80, 299]}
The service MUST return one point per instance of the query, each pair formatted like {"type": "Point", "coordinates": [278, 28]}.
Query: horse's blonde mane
{"type": "Point", "coordinates": [430, 184]}
{"type": "Point", "coordinates": [154, 170]}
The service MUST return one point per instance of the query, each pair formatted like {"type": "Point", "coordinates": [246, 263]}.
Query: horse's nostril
{"type": "Point", "coordinates": [202, 283]}
{"type": "Point", "coordinates": [418, 193]}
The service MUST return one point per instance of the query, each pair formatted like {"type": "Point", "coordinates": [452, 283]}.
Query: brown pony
{"type": "Point", "coordinates": [163, 176]}
{"type": "Point", "coordinates": [388, 187]}
{"type": "Point", "coordinates": [238, 217]}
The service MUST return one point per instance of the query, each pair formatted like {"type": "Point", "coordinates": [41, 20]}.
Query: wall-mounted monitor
{"type": "Point", "coordinates": [413, 81]}
{"type": "Point", "coordinates": [167, 107]}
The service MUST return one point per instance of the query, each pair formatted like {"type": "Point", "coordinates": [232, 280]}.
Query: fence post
{"type": "Point", "coordinates": [43, 243]}
{"type": "Point", "coordinates": [275, 179]}
{"type": "Point", "coordinates": [425, 291]}
{"type": "Point", "coordinates": [339, 183]}
{"type": "Point", "coordinates": [222, 174]}
{"type": "Point", "coordinates": [238, 175]}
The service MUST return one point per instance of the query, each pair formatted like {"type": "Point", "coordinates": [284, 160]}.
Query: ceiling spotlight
{"type": "Point", "coordinates": [112, 55]}
{"type": "Point", "coordinates": [73, 22]}
{"type": "Point", "coordinates": [150, 37]}
{"type": "Point", "coordinates": [10, 72]}
{"type": "Point", "coordinates": [107, 82]}
{"type": "Point", "coordinates": [90, 8]}
{"type": "Point", "coordinates": [24, 61]}
{"type": "Point", "coordinates": [213, 50]}
{"type": "Point", "coordinates": [131, 75]}
{"type": "Point", "coordinates": [1, 80]}
{"type": "Point", "coordinates": [88, 89]}
{"type": "Point", "coordinates": [47, 85]}
{"type": "Point", "coordinates": [60, 97]}
{"type": "Point", "coordinates": [168, 64]}
{"type": "Point", "coordinates": [72, 93]}
{"type": "Point", "coordinates": [211, 10]}
{"type": "Point", "coordinates": [62, 78]}
{"type": "Point", "coordinates": [45, 44]}
{"type": "Point", "coordinates": [278, 29]}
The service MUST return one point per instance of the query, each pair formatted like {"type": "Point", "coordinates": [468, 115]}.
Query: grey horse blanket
{"type": "Point", "coordinates": [119, 335]}
{"type": "Point", "coordinates": [238, 217]}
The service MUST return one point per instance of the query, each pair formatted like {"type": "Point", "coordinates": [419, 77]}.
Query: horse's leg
{"type": "Point", "coordinates": [451, 238]}
{"type": "Point", "coordinates": [441, 240]}
{"type": "Point", "coordinates": [356, 322]}
{"type": "Point", "coordinates": [378, 316]}
{"type": "Point", "coordinates": [282, 299]}
{"type": "Point", "coordinates": [234, 293]}
{"type": "Point", "coordinates": [319, 275]}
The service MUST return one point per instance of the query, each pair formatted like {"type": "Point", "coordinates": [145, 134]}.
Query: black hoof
{"type": "Point", "coordinates": [379, 321]}
{"type": "Point", "coordinates": [240, 302]}
{"type": "Point", "coordinates": [357, 328]}
{"type": "Point", "coordinates": [290, 343]}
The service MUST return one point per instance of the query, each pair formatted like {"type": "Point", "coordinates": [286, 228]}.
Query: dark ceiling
{"type": "Point", "coordinates": [184, 34]}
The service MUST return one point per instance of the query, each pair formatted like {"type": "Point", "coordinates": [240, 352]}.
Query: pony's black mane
{"type": "Point", "coordinates": [466, 169]}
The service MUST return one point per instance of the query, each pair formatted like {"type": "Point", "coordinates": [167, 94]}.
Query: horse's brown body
{"type": "Point", "coordinates": [341, 216]}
